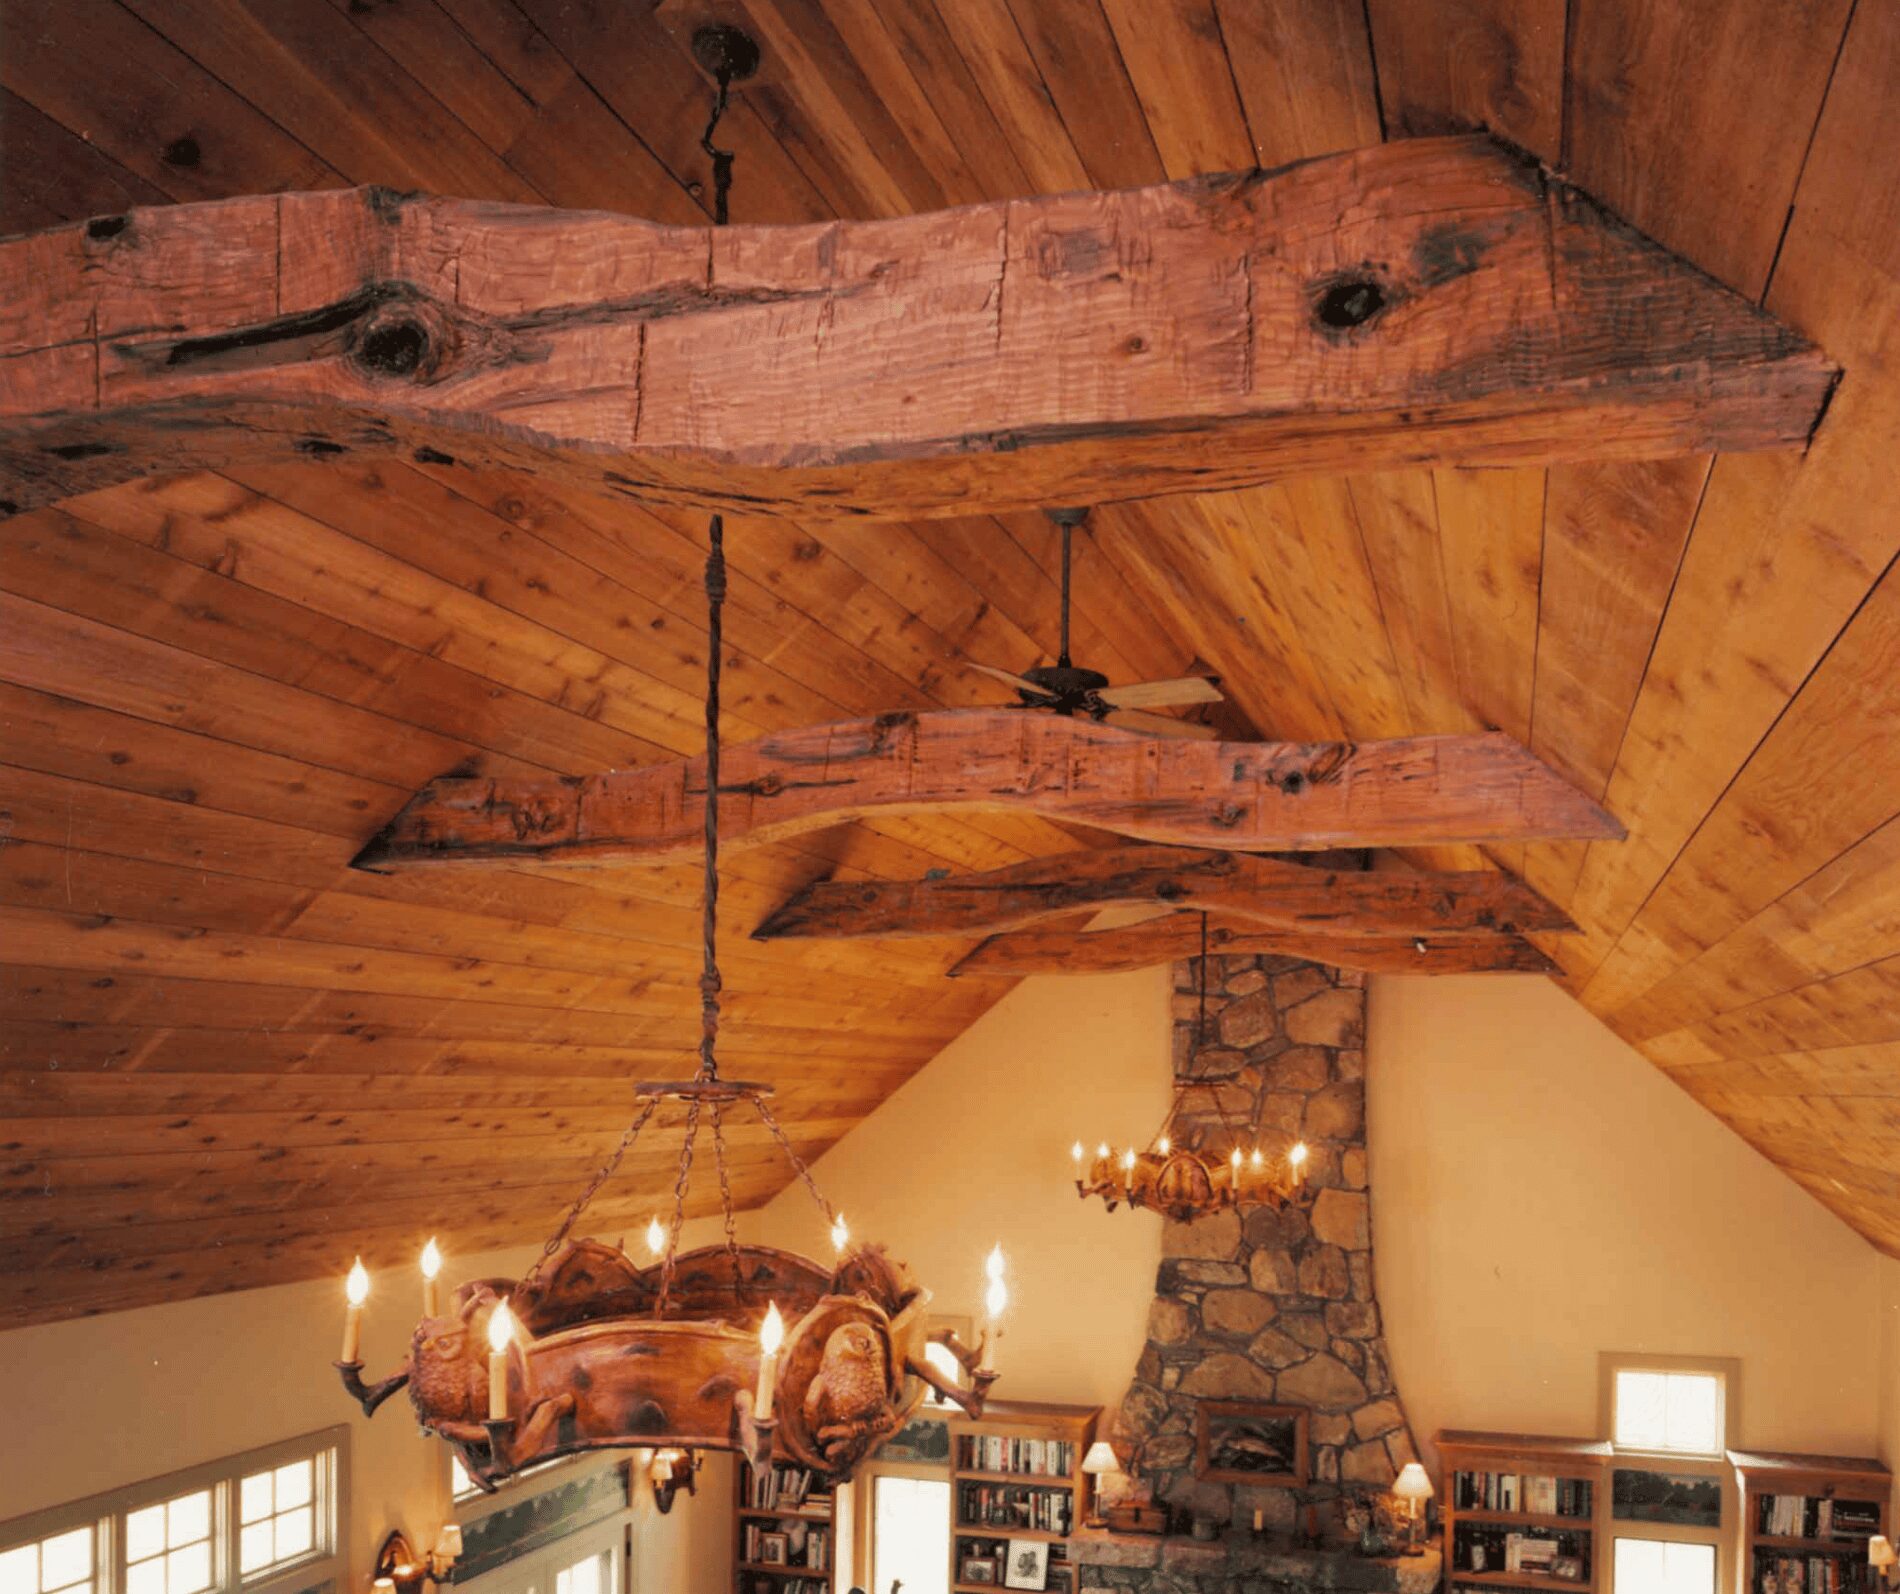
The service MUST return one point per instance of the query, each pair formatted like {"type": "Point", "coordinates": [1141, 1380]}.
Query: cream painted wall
{"type": "Point", "coordinates": [106, 1401]}
{"type": "Point", "coordinates": [975, 1149]}
{"type": "Point", "coordinates": [1889, 1448]}
{"type": "Point", "coordinates": [1541, 1193]}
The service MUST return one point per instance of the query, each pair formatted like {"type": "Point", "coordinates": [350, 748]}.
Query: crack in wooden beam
{"type": "Point", "coordinates": [1178, 935]}
{"type": "Point", "coordinates": [1268, 893]}
{"type": "Point", "coordinates": [1434, 301]}
{"type": "Point", "coordinates": [1232, 796]}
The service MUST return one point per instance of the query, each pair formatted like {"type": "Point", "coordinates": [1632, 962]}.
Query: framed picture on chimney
{"type": "Point", "coordinates": [1243, 1441]}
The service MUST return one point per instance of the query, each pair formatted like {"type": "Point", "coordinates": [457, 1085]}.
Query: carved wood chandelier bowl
{"type": "Point", "coordinates": [1184, 1184]}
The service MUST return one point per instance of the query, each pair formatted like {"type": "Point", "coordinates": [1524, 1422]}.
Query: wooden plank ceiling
{"type": "Point", "coordinates": [225, 1061]}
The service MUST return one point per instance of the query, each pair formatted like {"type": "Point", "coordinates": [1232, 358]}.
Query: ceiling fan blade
{"type": "Point", "coordinates": [1139, 720]}
{"type": "Point", "coordinates": [1014, 682]}
{"type": "Point", "coordinates": [1164, 694]}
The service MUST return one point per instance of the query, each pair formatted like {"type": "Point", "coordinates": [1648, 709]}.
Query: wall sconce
{"type": "Point", "coordinates": [671, 1471]}
{"type": "Point", "coordinates": [399, 1570]}
{"type": "Point", "coordinates": [1881, 1557]}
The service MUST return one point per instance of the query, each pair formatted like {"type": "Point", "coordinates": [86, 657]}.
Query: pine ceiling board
{"type": "Point", "coordinates": [1448, 65]}
{"type": "Point", "coordinates": [1175, 58]}
{"type": "Point", "coordinates": [993, 49]}
{"type": "Point", "coordinates": [1733, 650]}
{"type": "Point", "coordinates": [135, 96]}
{"type": "Point", "coordinates": [354, 106]}
{"type": "Point", "coordinates": [1076, 55]}
{"type": "Point", "coordinates": [54, 175]}
{"type": "Point", "coordinates": [1842, 1071]}
{"type": "Point", "coordinates": [653, 87]}
{"type": "Point", "coordinates": [577, 153]}
{"type": "Point", "coordinates": [1304, 73]}
{"type": "Point", "coordinates": [1854, 1007]}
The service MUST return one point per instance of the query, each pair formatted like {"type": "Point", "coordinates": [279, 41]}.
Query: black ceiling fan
{"type": "Point", "coordinates": [1066, 688]}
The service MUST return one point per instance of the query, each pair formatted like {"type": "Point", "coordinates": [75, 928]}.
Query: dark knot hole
{"type": "Point", "coordinates": [1350, 304]}
{"type": "Point", "coordinates": [395, 349]}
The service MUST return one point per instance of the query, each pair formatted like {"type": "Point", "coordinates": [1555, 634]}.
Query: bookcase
{"type": "Point", "coordinates": [1806, 1520]}
{"type": "Point", "coordinates": [783, 1512]}
{"type": "Point", "coordinates": [1524, 1512]}
{"type": "Point", "coordinates": [1016, 1475]}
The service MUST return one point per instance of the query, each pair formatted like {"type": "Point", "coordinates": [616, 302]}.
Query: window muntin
{"type": "Point", "coordinates": [277, 1516]}
{"type": "Point", "coordinates": [168, 1548]}
{"type": "Point", "coordinates": [910, 1532]}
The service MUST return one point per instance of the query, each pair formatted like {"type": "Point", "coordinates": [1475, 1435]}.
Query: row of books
{"type": "Point", "coordinates": [1805, 1516]}
{"type": "Point", "coordinates": [765, 1583]}
{"type": "Point", "coordinates": [1813, 1574]}
{"type": "Point", "coordinates": [783, 1488]}
{"type": "Point", "coordinates": [1476, 1548]}
{"type": "Point", "coordinates": [1002, 1505]}
{"type": "Point", "coordinates": [1041, 1458]}
{"type": "Point", "coordinates": [803, 1546]}
{"type": "Point", "coordinates": [1532, 1493]}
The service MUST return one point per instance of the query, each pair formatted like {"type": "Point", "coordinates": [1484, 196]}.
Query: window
{"type": "Point", "coordinates": [594, 1574]}
{"type": "Point", "coordinates": [910, 1533]}
{"type": "Point", "coordinates": [940, 1357]}
{"type": "Point", "coordinates": [1658, 1409]}
{"type": "Point", "coordinates": [461, 1485]}
{"type": "Point", "coordinates": [168, 1546]}
{"type": "Point", "coordinates": [1660, 1566]}
{"type": "Point", "coordinates": [59, 1564]}
{"type": "Point", "coordinates": [247, 1525]}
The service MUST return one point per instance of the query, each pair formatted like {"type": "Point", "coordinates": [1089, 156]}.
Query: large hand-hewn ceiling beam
{"type": "Point", "coordinates": [1272, 796]}
{"type": "Point", "coordinates": [1267, 893]}
{"type": "Point", "coordinates": [1178, 935]}
{"type": "Point", "coordinates": [1438, 301]}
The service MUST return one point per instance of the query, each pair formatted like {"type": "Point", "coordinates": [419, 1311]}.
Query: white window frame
{"type": "Point", "coordinates": [534, 1573]}
{"type": "Point", "coordinates": [1727, 1370]}
{"type": "Point", "coordinates": [106, 1512]}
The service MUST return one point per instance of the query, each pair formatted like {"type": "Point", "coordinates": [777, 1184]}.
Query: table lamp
{"type": "Point", "coordinates": [1098, 1464]}
{"type": "Point", "coordinates": [1414, 1488]}
{"type": "Point", "coordinates": [1881, 1557]}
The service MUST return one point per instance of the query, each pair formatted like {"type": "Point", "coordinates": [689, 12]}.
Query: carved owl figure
{"type": "Point", "coordinates": [448, 1379]}
{"type": "Point", "coordinates": [849, 1396]}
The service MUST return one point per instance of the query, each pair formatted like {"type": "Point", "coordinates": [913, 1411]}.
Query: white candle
{"type": "Point", "coordinates": [840, 1234]}
{"type": "Point", "coordinates": [356, 1291]}
{"type": "Point", "coordinates": [656, 1236]}
{"type": "Point", "coordinates": [431, 1267]}
{"type": "Point", "coordinates": [501, 1327]}
{"type": "Point", "coordinates": [771, 1336]}
{"type": "Point", "coordinates": [995, 1298]}
{"type": "Point", "coordinates": [1296, 1158]}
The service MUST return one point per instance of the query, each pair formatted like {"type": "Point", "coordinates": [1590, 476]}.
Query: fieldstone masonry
{"type": "Point", "coordinates": [1263, 1305]}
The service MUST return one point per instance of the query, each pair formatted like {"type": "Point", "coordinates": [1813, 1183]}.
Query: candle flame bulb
{"type": "Point", "coordinates": [501, 1328]}
{"type": "Point", "coordinates": [1128, 1160]}
{"type": "Point", "coordinates": [995, 1298]}
{"type": "Point", "coordinates": [772, 1331]}
{"type": "Point", "coordinates": [1101, 1151]}
{"type": "Point", "coordinates": [656, 1236]}
{"type": "Point", "coordinates": [993, 1264]}
{"type": "Point", "coordinates": [357, 1288]}
{"type": "Point", "coordinates": [1235, 1159]}
{"type": "Point", "coordinates": [1297, 1156]}
{"type": "Point", "coordinates": [839, 1233]}
{"type": "Point", "coordinates": [431, 1259]}
{"type": "Point", "coordinates": [1164, 1145]}
{"type": "Point", "coordinates": [1256, 1156]}
{"type": "Point", "coordinates": [1075, 1151]}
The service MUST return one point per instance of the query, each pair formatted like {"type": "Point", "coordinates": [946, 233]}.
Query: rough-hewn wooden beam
{"type": "Point", "coordinates": [1442, 301]}
{"type": "Point", "coordinates": [1178, 935]}
{"type": "Point", "coordinates": [1271, 796]}
{"type": "Point", "coordinates": [1266, 892]}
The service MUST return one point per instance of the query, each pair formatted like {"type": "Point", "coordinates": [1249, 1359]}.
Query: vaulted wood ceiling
{"type": "Point", "coordinates": [225, 1060]}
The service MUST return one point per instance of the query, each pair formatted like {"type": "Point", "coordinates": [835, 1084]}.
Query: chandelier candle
{"type": "Point", "coordinates": [431, 1267]}
{"type": "Point", "coordinates": [356, 1291]}
{"type": "Point", "coordinates": [771, 1336]}
{"type": "Point", "coordinates": [995, 1298]}
{"type": "Point", "coordinates": [500, 1330]}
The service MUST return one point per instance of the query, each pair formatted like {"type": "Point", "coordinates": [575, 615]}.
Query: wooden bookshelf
{"type": "Point", "coordinates": [782, 1504]}
{"type": "Point", "coordinates": [978, 1473]}
{"type": "Point", "coordinates": [1497, 1485]}
{"type": "Point", "coordinates": [1802, 1548]}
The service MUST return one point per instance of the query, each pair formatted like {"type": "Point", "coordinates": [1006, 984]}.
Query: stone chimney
{"type": "Point", "coordinates": [1263, 1305]}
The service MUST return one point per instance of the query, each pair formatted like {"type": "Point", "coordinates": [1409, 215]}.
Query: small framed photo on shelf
{"type": "Point", "coordinates": [1243, 1441]}
{"type": "Point", "coordinates": [775, 1549]}
{"type": "Point", "coordinates": [1027, 1564]}
{"type": "Point", "coordinates": [978, 1569]}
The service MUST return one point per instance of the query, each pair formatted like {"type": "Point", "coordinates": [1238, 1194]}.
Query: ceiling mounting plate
{"type": "Point", "coordinates": [724, 50]}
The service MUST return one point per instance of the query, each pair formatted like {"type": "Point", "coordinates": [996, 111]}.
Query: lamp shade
{"type": "Point", "coordinates": [1412, 1483]}
{"type": "Point", "coordinates": [1880, 1551]}
{"type": "Point", "coordinates": [1100, 1459]}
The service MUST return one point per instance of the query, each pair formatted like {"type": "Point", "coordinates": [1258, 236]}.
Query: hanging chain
{"type": "Point", "coordinates": [725, 1198]}
{"type": "Point", "coordinates": [798, 1162]}
{"type": "Point", "coordinates": [606, 1172]}
{"type": "Point", "coordinates": [709, 982]}
{"type": "Point", "coordinates": [670, 1258]}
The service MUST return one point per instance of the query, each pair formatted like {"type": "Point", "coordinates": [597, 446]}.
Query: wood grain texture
{"type": "Point", "coordinates": [1179, 935]}
{"type": "Point", "coordinates": [1233, 795]}
{"type": "Point", "coordinates": [1207, 334]}
{"type": "Point", "coordinates": [1266, 892]}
